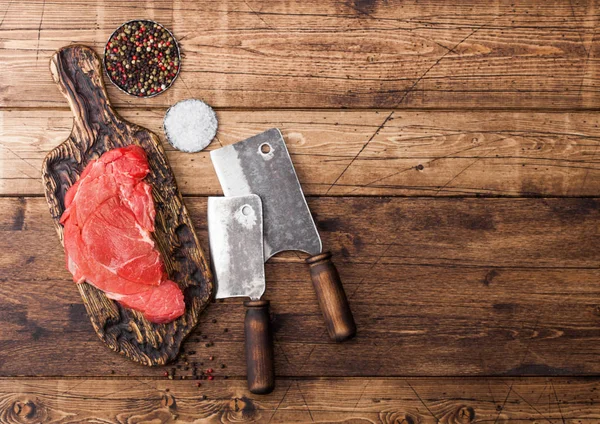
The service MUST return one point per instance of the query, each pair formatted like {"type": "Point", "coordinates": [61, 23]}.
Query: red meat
{"type": "Point", "coordinates": [108, 220]}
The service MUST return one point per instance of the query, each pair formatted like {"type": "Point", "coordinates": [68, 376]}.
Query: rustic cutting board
{"type": "Point", "coordinates": [97, 128]}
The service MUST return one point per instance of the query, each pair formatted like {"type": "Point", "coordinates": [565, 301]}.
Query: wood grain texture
{"type": "Point", "coordinates": [389, 98]}
{"type": "Point", "coordinates": [393, 401]}
{"type": "Point", "coordinates": [347, 153]}
{"type": "Point", "coordinates": [96, 130]}
{"type": "Point", "coordinates": [437, 287]}
{"type": "Point", "coordinates": [311, 54]}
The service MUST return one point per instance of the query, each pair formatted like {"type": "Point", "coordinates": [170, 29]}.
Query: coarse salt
{"type": "Point", "coordinates": [190, 125]}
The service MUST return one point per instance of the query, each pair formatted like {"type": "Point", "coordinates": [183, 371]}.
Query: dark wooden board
{"type": "Point", "coordinates": [454, 287]}
{"type": "Point", "coordinates": [327, 400]}
{"type": "Point", "coordinates": [97, 128]}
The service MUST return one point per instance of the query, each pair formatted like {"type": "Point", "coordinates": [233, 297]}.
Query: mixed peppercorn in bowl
{"type": "Point", "coordinates": [142, 58]}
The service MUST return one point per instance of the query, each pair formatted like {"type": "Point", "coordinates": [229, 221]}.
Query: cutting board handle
{"type": "Point", "coordinates": [332, 298]}
{"type": "Point", "coordinates": [77, 71]}
{"type": "Point", "coordinates": [259, 347]}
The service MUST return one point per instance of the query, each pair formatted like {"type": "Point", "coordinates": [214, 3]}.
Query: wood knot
{"type": "Point", "coordinates": [25, 411]}
{"type": "Point", "coordinates": [242, 408]}
{"type": "Point", "coordinates": [396, 417]}
{"type": "Point", "coordinates": [489, 277]}
{"type": "Point", "coordinates": [168, 401]}
{"type": "Point", "coordinates": [407, 419]}
{"type": "Point", "coordinates": [465, 415]}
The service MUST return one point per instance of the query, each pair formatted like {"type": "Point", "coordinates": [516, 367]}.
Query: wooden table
{"type": "Point", "coordinates": [450, 152]}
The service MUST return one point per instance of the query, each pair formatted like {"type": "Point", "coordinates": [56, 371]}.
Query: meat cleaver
{"type": "Point", "coordinates": [262, 165]}
{"type": "Point", "coordinates": [235, 230]}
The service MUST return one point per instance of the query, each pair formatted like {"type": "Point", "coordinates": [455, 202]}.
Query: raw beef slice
{"type": "Point", "coordinates": [108, 220]}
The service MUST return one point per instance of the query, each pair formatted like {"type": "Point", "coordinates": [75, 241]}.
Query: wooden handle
{"type": "Point", "coordinates": [77, 71]}
{"type": "Point", "coordinates": [259, 347]}
{"type": "Point", "coordinates": [332, 298]}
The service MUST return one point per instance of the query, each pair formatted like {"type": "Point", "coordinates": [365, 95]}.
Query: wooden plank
{"type": "Point", "coordinates": [414, 401]}
{"type": "Point", "coordinates": [424, 54]}
{"type": "Point", "coordinates": [347, 153]}
{"type": "Point", "coordinates": [437, 286]}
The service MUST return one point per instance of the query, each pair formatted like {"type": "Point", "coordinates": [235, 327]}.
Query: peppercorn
{"type": "Point", "coordinates": [137, 56]}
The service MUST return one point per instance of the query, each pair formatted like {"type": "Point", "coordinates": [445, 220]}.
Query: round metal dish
{"type": "Point", "coordinates": [176, 46]}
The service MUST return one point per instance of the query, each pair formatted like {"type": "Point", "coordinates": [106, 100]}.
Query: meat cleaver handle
{"type": "Point", "coordinates": [332, 298]}
{"type": "Point", "coordinates": [259, 347]}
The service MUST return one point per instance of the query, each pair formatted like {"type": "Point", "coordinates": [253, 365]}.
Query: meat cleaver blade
{"type": "Point", "coordinates": [262, 165]}
{"type": "Point", "coordinates": [235, 231]}
{"type": "Point", "coordinates": [236, 244]}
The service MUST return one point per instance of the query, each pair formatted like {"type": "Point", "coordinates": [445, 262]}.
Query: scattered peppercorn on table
{"type": "Point", "coordinates": [449, 152]}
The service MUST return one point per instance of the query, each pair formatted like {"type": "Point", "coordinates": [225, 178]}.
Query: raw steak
{"type": "Point", "coordinates": [108, 220]}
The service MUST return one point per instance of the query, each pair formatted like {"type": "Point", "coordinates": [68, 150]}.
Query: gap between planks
{"type": "Point", "coordinates": [432, 109]}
